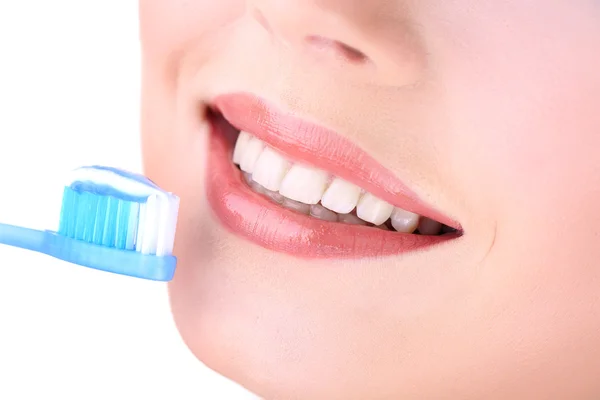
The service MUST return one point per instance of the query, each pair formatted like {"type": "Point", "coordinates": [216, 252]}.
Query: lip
{"type": "Point", "coordinates": [249, 214]}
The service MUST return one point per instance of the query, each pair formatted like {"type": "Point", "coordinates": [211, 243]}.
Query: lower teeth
{"type": "Point", "coordinates": [322, 213]}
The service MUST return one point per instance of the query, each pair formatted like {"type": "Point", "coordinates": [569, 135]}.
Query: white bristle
{"type": "Point", "coordinates": [156, 226]}
{"type": "Point", "coordinates": [163, 226]}
{"type": "Point", "coordinates": [141, 227]}
{"type": "Point", "coordinates": [132, 226]}
{"type": "Point", "coordinates": [150, 230]}
{"type": "Point", "coordinates": [172, 226]}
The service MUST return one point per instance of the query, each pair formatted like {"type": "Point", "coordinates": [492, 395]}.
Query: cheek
{"type": "Point", "coordinates": [524, 149]}
{"type": "Point", "coordinates": [532, 159]}
{"type": "Point", "coordinates": [523, 135]}
{"type": "Point", "coordinates": [520, 100]}
{"type": "Point", "coordinates": [167, 27]}
{"type": "Point", "coordinates": [524, 126]}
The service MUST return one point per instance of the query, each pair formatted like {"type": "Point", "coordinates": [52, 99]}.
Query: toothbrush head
{"type": "Point", "coordinates": [118, 221]}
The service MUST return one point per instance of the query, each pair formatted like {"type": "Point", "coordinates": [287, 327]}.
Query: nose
{"type": "Point", "coordinates": [369, 37]}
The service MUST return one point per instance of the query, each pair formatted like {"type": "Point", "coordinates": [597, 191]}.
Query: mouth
{"type": "Point", "coordinates": [291, 186]}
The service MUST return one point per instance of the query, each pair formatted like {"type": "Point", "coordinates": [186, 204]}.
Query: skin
{"type": "Point", "coordinates": [488, 109]}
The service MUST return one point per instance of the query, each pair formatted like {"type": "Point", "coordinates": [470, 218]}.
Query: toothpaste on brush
{"type": "Point", "coordinates": [111, 220]}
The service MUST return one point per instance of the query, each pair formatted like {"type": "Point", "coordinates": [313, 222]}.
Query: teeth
{"type": "Point", "coordinates": [270, 169]}
{"type": "Point", "coordinates": [256, 187]}
{"type": "Point", "coordinates": [252, 151]}
{"type": "Point", "coordinates": [275, 196]}
{"type": "Point", "coordinates": [341, 196]}
{"type": "Point", "coordinates": [350, 219]}
{"type": "Point", "coordinates": [321, 212]}
{"type": "Point", "coordinates": [296, 206]}
{"type": "Point", "coordinates": [301, 188]}
{"type": "Point", "coordinates": [404, 221]}
{"type": "Point", "coordinates": [304, 184]}
{"type": "Point", "coordinates": [429, 227]}
{"type": "Point", "coordinates": [240, 146]}
{"type": "Point", "coordinates": [247, 178]}
{"type": "Point", "coordinates": [373, 210]}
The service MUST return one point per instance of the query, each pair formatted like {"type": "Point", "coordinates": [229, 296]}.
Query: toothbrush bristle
{"type": "Point", "coordinates": [146, 226]}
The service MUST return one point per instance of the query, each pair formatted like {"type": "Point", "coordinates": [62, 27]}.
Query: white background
{"type": "Point", "coordinates": [69, 94]}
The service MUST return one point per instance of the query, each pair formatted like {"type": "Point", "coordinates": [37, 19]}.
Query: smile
{"type": "Point", "coordinates": [294, 187]}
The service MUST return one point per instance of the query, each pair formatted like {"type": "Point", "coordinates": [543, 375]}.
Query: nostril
{"type": "Point", "coordinates": [348, 52]}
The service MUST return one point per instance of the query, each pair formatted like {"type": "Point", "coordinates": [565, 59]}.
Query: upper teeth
{"type": "Point", "coordinates": [341, 196]}
{"type": "Point", "coordinates": [304, 184]}
{"type": "Point", "coordinates": [311, 186]}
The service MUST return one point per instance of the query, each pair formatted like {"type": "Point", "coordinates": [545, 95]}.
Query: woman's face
{"type": "Point", "coordinates": [481, 114]}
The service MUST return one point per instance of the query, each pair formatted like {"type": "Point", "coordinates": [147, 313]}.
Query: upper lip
{"type": "Point", "coordinates": [323, 148]}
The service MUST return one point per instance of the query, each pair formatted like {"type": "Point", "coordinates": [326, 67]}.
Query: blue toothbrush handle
{"type": "Point", "coordinates": [109, 259]}
{"type": "Point", "coordinates": [24, 238]}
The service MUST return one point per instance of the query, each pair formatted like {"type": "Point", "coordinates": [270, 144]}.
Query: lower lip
{"type": "Point", "coordinates": [254, 217]}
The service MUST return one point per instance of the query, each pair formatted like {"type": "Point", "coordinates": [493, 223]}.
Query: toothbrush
{"type": "Point", "coordinates": [110, 220]}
